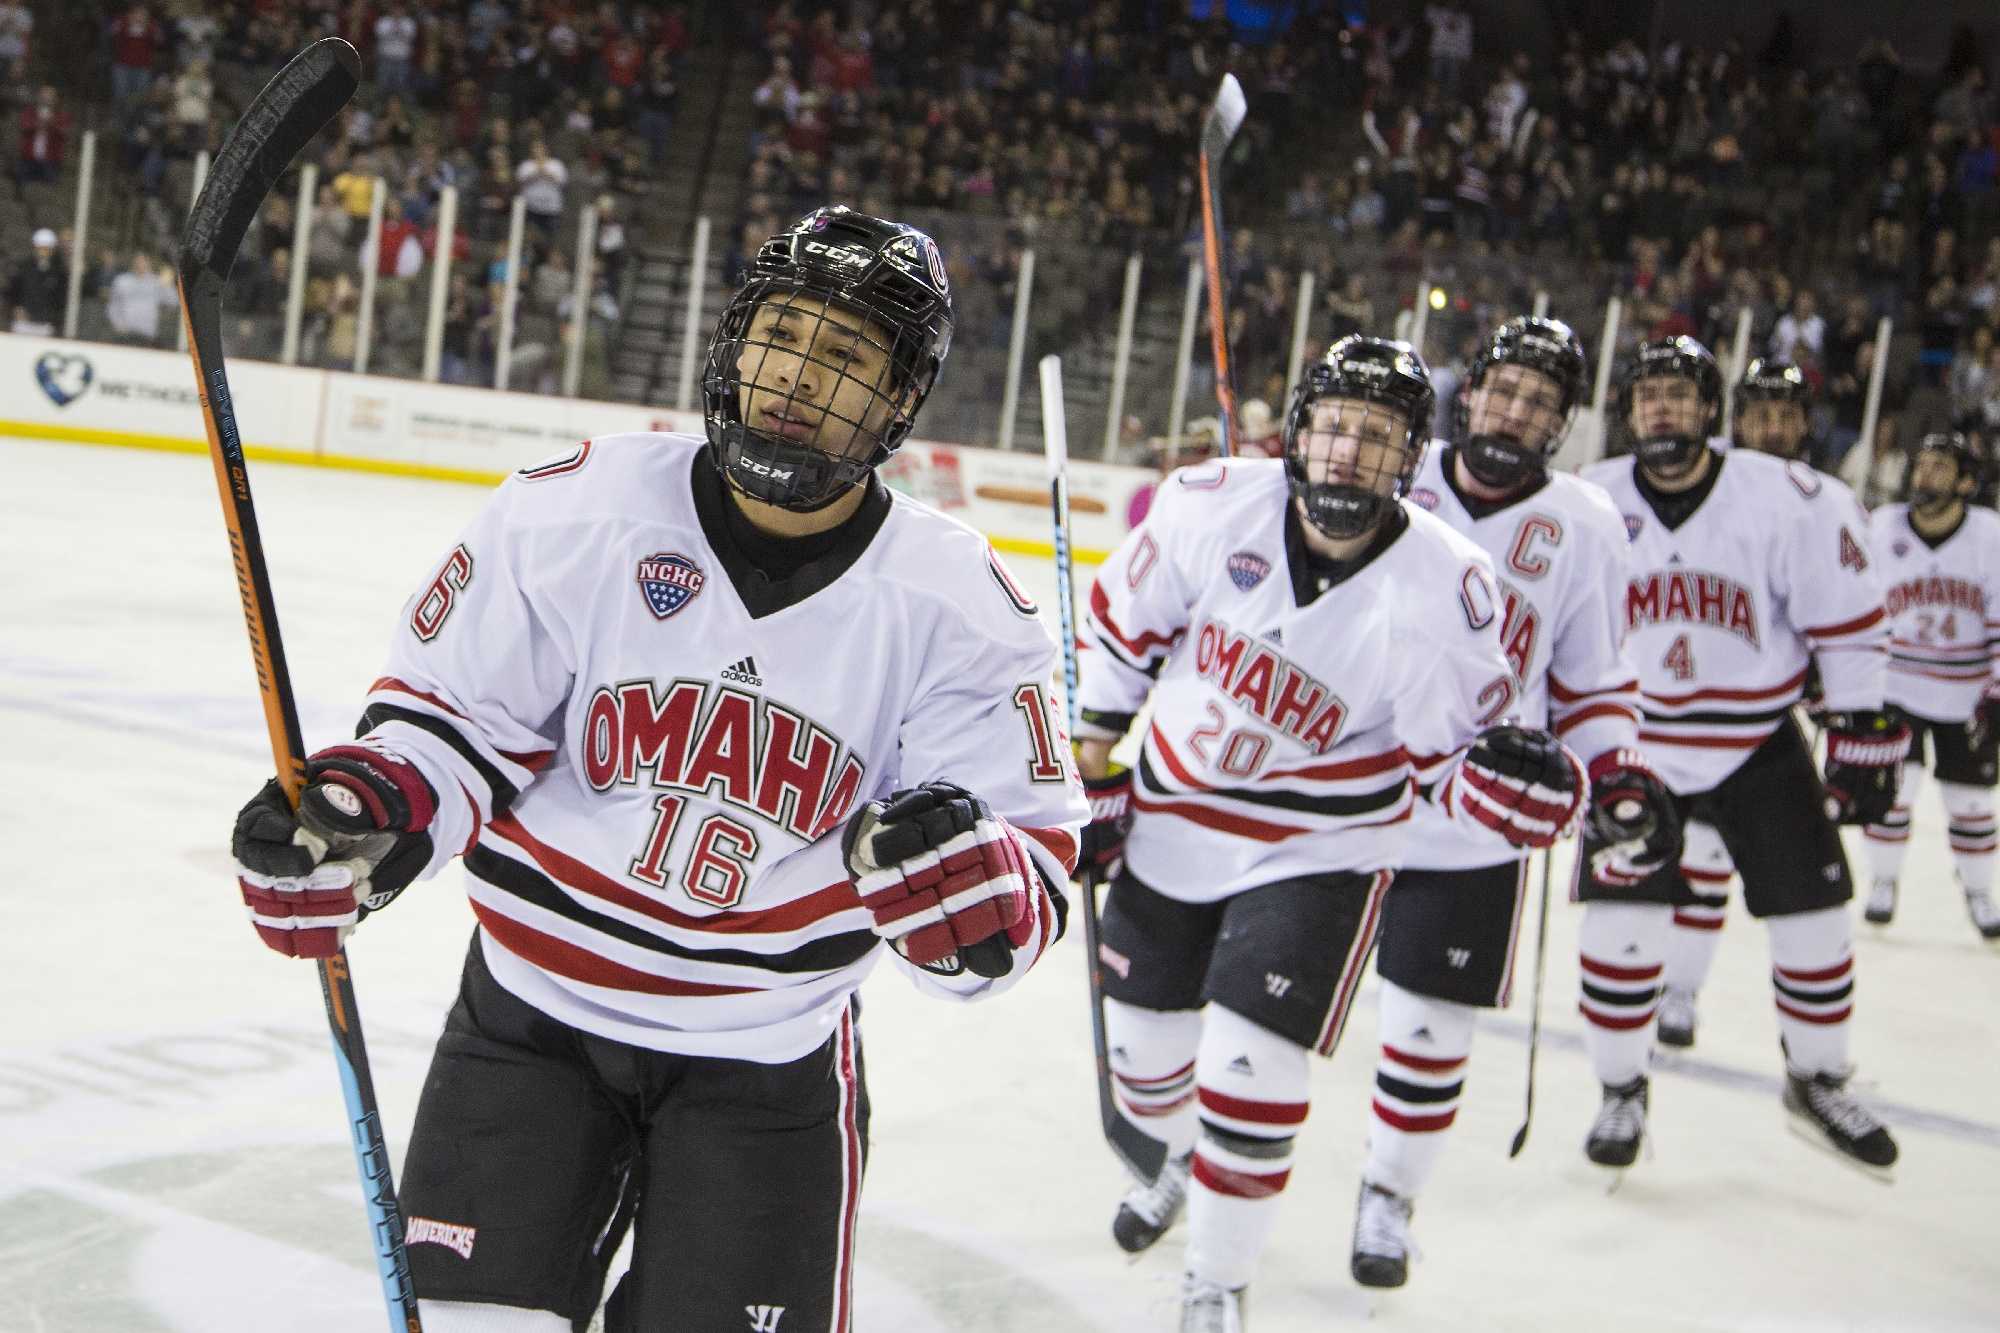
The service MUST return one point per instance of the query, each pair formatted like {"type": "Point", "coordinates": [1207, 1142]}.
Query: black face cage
{"type": "Point", "coordinates": [1681, 359]}
{"type": "Point", "coordinates": [1352, 506]}
{"type": "Point", "coordinates": [833, 400]}
{"type": "Point", "coordinates": [1544, 346]}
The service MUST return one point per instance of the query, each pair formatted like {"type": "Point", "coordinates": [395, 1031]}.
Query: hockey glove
{"type": "Point", "coordinates": [1524, 785]}
{"type": "Point", "coordinates": [949, 883]}
{"type": "Point", "coordinates": [355, 842]}
{"type": "Point", "coordinates": [1110, 820]}
{"type": "Point", "coordinates": [1864, 756]}
{"type": "Point", "coordinates": [1632, 817]}
{"type": "Point", "coordinates": [1984, 724]}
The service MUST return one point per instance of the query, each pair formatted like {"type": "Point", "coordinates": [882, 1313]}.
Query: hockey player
{"type": "Point", "coordinates": [1773, 401]}
{"type": "Point", "coordinates": [1743, 568]}
{"type": "Point", "coordinates": [1321, 658]}
{"type": "Point", "coordinates": [689, 828]}
{"type": "Point", "coordinates": [1941, 562]}
{"type": "Point", "coordinates": [1450, 922]}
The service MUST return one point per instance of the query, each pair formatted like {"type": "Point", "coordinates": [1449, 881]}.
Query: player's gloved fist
{"type": "Point", "coordinates": [1864, 756]}
{"type": "Point", "coordinates": [355, 842]}
{"type": "Point", "coordinates": [949, 883]}
{"type": "Point", "coordinates": [1984, 724]}
{"type": "Point", "coordinates": [1110, 819]}
{"type": "Point", "coordinates": [1633, 816]}
{"type": "Point", "coordinates": [1525, 785]}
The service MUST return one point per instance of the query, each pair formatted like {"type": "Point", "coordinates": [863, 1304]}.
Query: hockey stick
{"type": "Point", "coordinates": [1535, 1014]}
{"type": "Point", "coordinates": [1224, 119]}
{"type": "Point", "coordinates": [294, 106]}
{"type": "Point", "coordinates": [1142, 1154]}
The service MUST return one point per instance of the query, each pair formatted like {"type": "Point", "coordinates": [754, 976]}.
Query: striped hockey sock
{"type": "Point", "coordinates": [1152, 1069]}
{"type": "Point", "coordinates": [1253, 1094]}
{"type": "Point", "coordinates": [1419, 1079]}
{"type": "Point", "coordinates": [1973, 834]}
{"type": "Point", "coordinates": [1812, 973]}
{"type": "Point", "coordinates": [1697, 931]}
{"type": "Point", "coordinates": [1622, 948]}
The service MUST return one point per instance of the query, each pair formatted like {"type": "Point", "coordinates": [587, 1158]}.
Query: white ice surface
{"type": "Point", "coordinates": [171, 1147]}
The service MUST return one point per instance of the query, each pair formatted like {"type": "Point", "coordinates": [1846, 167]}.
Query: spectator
{"type": "Point", "coordinates": [1451, 43]}
{"type": "Point", "coordinates": [193, 91]}
{"type": "Point", "coordinates": [135, 43]}
{"type": "Point", "coordinates": [44, 139]}
{"type": "Point", "coordinates": [355, 188]}
{"type": "Point", "coordinates": [39, 288]}
{"type": "Point", "coordinates": [541, 180]}
{"type": "Point", "coordinates": [17, 29]}
{"type": "Point", "coordinates": [1801, 332]}
{"type": "Point", "coordinates": [135, 299]}
{"type": "Point", "coordinates": [610, 241]}
{"type": "Point", "coordinates": [395, 49]}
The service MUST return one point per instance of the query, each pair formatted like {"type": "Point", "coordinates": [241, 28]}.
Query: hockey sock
{"type": "Point", "coordinates": [1623, 948]}
{"type": "Point", "coordinates": [1972, 833]}
{"type": "Point", "coordinates": [1890, 839]}
{"type": "Point", "coordinates": [1812, 970]}
{"type": "Point", "coordinates": [1418, 1080]}
{"type": "Point", "coordinates": [1152, 1069]}
{"type": "Point", "coordinates": [1253, 1100]}
{"type": "Point", "coordinates": [471, 1317]}
{"type": "Point", "coordinates": [1697, 931]}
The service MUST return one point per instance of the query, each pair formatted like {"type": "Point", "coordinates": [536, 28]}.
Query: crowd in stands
{"type": "Point", "coordinates": [563, 106]}
{"type": "Point", "coordinates": [1693, 182]}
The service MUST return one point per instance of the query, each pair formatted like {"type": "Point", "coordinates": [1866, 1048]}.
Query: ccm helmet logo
{"type": "Point", "coordinates": [839, 254]}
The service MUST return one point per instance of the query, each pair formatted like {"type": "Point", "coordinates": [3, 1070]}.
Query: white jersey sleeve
{"type": "Point", "coordinates": [476, 679]}
{"type": "Point", "coordinates": [1592, 685]}
{"type": "Point", "coordinates": [1832, 593]}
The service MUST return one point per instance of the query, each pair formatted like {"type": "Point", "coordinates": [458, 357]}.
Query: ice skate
{"type": "Point", "coordinates": [1985, 914]}
{"type": "Point", "coordinates": [1677, 1018]}
{"type": "Point", "coordinates": [1148, 1211]}
{"type": "Point", "coordinates": [1210, 1307]}
{"type": "Point", "coordinates": [1381, 1238]}
{"type": "Point", "coordinates": [1881, 906]}
{"type": "Point", "coordinates": [1825, 1114]}
{"type": "Point", "coordinates": [1620, 1126]}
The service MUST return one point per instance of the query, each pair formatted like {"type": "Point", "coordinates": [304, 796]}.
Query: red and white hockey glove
{"type": "Point", "coordinates": [1865, 750]}
{"type": "Point", "coordinates": [1524, 785]}
{"type": "Point", "coordinates": [1103, 841]}
{"type": "Point", "coordinates": [1984, 724]}
{"type": "Point", "coordinates": [1632, 820]}
{"type": "Point", "coordinates": [355, 842]}
{"type": "Point", "coordinates": [949, 883]}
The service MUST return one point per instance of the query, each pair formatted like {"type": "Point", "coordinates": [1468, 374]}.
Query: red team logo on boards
{"type": "Point", "coordinates": [670, 581]}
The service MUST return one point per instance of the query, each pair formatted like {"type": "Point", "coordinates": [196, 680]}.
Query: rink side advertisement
{"type": "Point", "coordinates": [100, 393]}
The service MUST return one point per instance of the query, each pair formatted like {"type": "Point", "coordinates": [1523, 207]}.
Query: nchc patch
{"type": "Point", "coordinates": [670, 581]}
{"type": "Point", "coordinates": [1425, 498]}
{"type": "Point", "coordinates": [1632, 525]}
{"type": "Point", "coordinates": [1247, 569]}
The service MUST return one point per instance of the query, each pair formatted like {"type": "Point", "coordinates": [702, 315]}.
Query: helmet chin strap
{"type": "Point", "coordinates": [1501, 462]}
{"type": "Point", "coordinates": [1357, 517]}
{"type": "Point", "coordinates": [768, 470]}
{"type": "Point", "coordinates": [1669, 457]}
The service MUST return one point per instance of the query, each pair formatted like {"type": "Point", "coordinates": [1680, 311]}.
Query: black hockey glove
{"type": "Point", "coordinates": [1524, 785]}
{"type": "Point", "coordinates": [1632, 818]}
{"type": "Point", "coordinates": [951, 885]}
{"type": "Point", "coordinates": [1110, 819]}
{"type": "Point", "coordinates": [1984, 724]}
{"type": "Point", "coordinates": [1864, 757]}
{"type": "Point", "coordinates": [356, 841]}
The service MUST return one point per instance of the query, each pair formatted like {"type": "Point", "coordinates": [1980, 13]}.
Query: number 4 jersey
{"type": "Point", "coordinates": [1726, 606]}
{"type": "Point", "coordinates": [646, 748]}
{"type": "Point", "coordinates": [1943, 602]}
{"type": "Point", "coordinates": [1292, 724]}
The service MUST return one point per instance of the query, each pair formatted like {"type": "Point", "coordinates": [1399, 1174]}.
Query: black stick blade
{"type": "Point", "coordinates": [294, 106]}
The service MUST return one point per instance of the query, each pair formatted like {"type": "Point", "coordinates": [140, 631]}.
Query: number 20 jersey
{"type": "Point", "coordinates": [1943, 604]}
{"type": "Point", "coordinates": [1285, 739]}
{"type": "Point", "coordinates": [1724, 611]}
{"type": "Point", "coordinates": [1559, 554]}
{"type": "Point", "coordinates": [647, 756]}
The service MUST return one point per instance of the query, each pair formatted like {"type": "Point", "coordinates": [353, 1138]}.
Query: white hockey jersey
{"type": "Point", "coordinates": [1943, 604]}
{"type": "Point", "coordinates": [1723, 610]}
{"type": "Point", "coordinates": [1559, 555]}
{"type": "Point", "coordinates": [1285, 739]}
{"type": "Point", "coordinates": [645, 749]}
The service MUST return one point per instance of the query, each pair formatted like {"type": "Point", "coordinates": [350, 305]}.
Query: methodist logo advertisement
{"type": "Point", "coordinates": [64, 376]}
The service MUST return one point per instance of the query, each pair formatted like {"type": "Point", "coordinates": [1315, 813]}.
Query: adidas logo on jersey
{"type": "Point", "coordinates": [743, 672]}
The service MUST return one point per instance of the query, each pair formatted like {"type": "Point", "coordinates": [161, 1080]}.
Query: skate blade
{"type": "Point", "coordinates": [1814, 1138]}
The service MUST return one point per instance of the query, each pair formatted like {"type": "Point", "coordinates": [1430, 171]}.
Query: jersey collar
{"type": "Point", "coordinates": [761, 593]}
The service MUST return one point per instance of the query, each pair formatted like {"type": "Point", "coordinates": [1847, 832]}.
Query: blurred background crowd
{"type": "Point", "coordinates": [1805, 171]}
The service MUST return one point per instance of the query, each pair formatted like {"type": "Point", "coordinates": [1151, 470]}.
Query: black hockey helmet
{"type": "Point", "coordinates": [1375, 371]}
{"type": "Point", "coordinates": [1676, 358]}
{"type": "Point", "coordinates": [1771, 379]}
{"type": "Point", "coordinates": [1545, 345]}
{"type": "Point", "coordinates": [834, 398]}
{"type": "Point", "coordinates": [1968, 452]}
